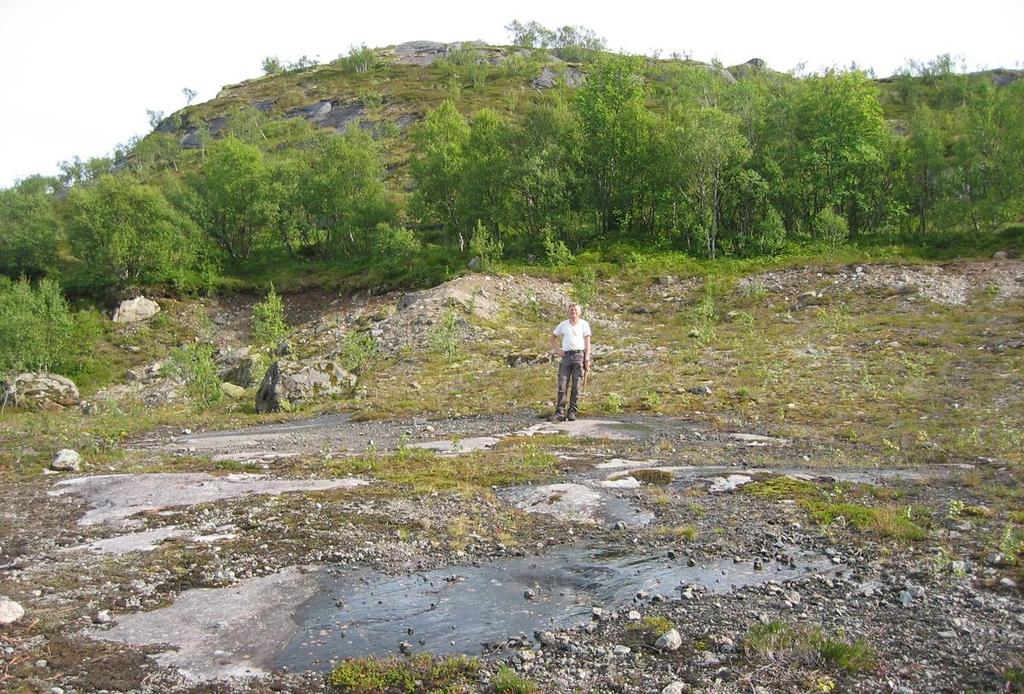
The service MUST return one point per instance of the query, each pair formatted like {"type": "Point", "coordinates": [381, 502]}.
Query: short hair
{"type": "Point", "coordinates": [579, 307]}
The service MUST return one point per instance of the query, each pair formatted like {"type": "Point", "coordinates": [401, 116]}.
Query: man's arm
{"type": "Point", "coordinates": [586, 352]}
{"type": "Point", "coordinates": [555, 345]}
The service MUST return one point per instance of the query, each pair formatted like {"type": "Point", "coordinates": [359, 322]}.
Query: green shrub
{"type": "Point", "coordinates": [126, 233]}
{"type": "Point", "coordinates": [395, 247]}
{"type": "Point", "coordinates": [831, 227]}
{"type": "Point", "coordinates": [35, 325]}
{"type": "Point", "coordinates": [506, 681]}
{"type": "Point", "coordinates": [485, 246]}
{"type": "Point", "coordinates": [555, 250]}
{"type": "Point", "coordinates": [584, 287]}
{"type": "Point", "coordinates": [419, 673]}
{"type": "Point", "coordinates": [194, 365]}
{"type": "Point", "coordinates": [614, 402]}
{"type": "Point", "coordinates": [445, 338]}
{"type": "Point", "coordinates": [359, 60]}
{"type": "Point", "coordinates": [357, 350]}
{"type": "Point", "coordinates": [268, 325]}
{"type": "Point", "coordinates": [651, 628]}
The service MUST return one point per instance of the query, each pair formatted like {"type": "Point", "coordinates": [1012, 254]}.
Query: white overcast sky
{"type": "Point", "coordinates": [77, 76]}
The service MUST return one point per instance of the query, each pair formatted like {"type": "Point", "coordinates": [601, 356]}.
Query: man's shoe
{"type": "Point", "coordinates": [557, 417]}
{"type": "Point", "coordinates": [571, 417]}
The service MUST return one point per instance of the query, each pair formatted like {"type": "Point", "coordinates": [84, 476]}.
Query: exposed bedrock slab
{"type": "Point", "coordinates": [309, 619]}
{"type": "Point", "coordinates": [221, 632]}
{"type": "Point", "coordinates": [576, 502]}
{"type": "Point", "coordinates": [117, 497]}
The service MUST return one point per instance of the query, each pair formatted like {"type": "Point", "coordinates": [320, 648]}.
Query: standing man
{"type": "Point", "coordinates": [571, 341]}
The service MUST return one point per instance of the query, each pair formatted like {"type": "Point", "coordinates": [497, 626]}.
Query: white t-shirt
{"type": "Point", "coordinates": [572, 335]}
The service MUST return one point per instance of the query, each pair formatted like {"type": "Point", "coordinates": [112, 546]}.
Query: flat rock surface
{"type": "Point", "coordinates": [221, 632]}
{"type": "Point", "coordinates": [115, 498]}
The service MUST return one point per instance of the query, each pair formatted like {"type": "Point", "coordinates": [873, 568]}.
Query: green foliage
{"type": "Point", "coordinates": [358, 349]}
{"type": "Point", "coordinates": [126, 234]}
{"type": "Point", "coordinates": [359, 60]}
{"type": "Point", "coordinates": [418, 673]}
{"type": "Point", "coordinates": [506, 681]}
{"type": "Point", "coordinates": [35, 325]}
{"type": "Point", "coordinates": [445, 337]}
{"type": "Point", "coordinates": [776, 641]}
{"type": "Point", "coordinates": [395, 247]}
{"type": "Point", "coordinates": [613, 403]}
{"type": "Point", "coordinates": [194, 365]}
{"type": "Point", "coordinates": [272, 65]}
{"type": "Point", "coordinates": [239, 200]}
{"type": "Point", "coordinates": [335, 195]}
{"type": "Point", "coordinates": [584, 287]}
{"type": "Point", "coordinates": [486, 247]}
{"type": "Point", "coordinates": [268, 324]}
{"type": "Point", "coordinates": [570, 43]}
{"type": "Point", "coordinates": [893, 522]}
{"type": "Point", "coordinates": [831, 227]}
{"type": "Point", "coordinates": [30, 230]}
{"type": "Point", "coordinates": [437, 165]}
{"type": "Point", "coordinates": [556, 252]}
{"type": "Point", "coordinates": [651, 628]}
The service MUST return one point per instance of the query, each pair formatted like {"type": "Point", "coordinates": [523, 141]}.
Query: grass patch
{"type": "Point", "coordinates": [650, 476]}
{"type": "Point", "coordinates": [677, 532]}
{"type": "Point", "coordinates": [649, 629]}
{"type": "Point", "coordinates": [783, 488]}
{"type": "Point", "coordinates": [425, 471]}
{"type": "Point", "coordinates": [419, 673]}
{"type": "Point", "coordinates": [508, 682]}
{"type": "Point", "coordinates": [778, 642]}
{"type": "Point", "coordinates": [886, 521]}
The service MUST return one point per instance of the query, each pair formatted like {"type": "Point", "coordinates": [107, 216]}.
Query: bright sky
{"type": "Point", "coordinates": [77, 76]}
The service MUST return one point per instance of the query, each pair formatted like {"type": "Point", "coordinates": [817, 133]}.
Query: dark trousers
{"type": "Point", "coordinates": [570, 371]}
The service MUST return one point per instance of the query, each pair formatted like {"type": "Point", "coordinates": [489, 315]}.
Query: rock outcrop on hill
{"type": "Point", "coordinates": [39, 391]}
{"type": "Point", "coordinates": [288, 384]}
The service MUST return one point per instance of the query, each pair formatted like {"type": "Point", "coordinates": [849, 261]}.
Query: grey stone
{"type": "Point", "coordinates": [134, 310]}
{"type": "Point", "coordinates": [238, 366]}
{"type": "Point", "coordinates": [621, 650]}
{"type": "Point", "coordinates": [1008, 583]}
{"type": "Point", "coordinates": [66, 460]}
{"type": "Point", "coordinates": [1000, 255]}
{"type": "Point", "coordinates": [288, 384]}
{"type": "Point", "coordinates": [103, 617]}
{"type": "Point", "coordinates": [10, 611]}
{"type": "Point", "coordinates": [232, 391]}
{"type": "Point", "coordinates": [669, 641]}
{"type": "Point", "coordinates": [39, 391]}
{"type": "Point", "coordinates": [675, 688]}
{"type": "Point", "coordinates": [420, 52]}
{"type": "Point", "coordinates": [792, 597]}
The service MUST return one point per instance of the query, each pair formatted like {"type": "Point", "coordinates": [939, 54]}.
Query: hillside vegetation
{"type": "Point", "coordinates": [397, 167]}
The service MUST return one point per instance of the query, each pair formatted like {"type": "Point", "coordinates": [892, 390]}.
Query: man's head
{"type": "Point", "coordinates": [574, 312]}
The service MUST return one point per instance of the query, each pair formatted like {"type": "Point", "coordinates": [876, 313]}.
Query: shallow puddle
{"type": "Point", "coordinates": [309, 619]}
{"type": "Point", "coordinates": [466, 609]}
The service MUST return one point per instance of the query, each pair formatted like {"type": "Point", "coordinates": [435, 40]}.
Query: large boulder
{"type": "Point", "coordinates": [39, 391]}
{"type": "Point", "coordinates": [238, 366]}
{"type": "Point", "coordinates": [288, 384]}
{"type": "Point", "coordinates": [134, 310]}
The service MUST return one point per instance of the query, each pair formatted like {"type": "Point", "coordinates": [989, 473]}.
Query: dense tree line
{"type": "Point", "coordinates": [677, 156]}
{"type": "Point", "coordinates": [652, 153]}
